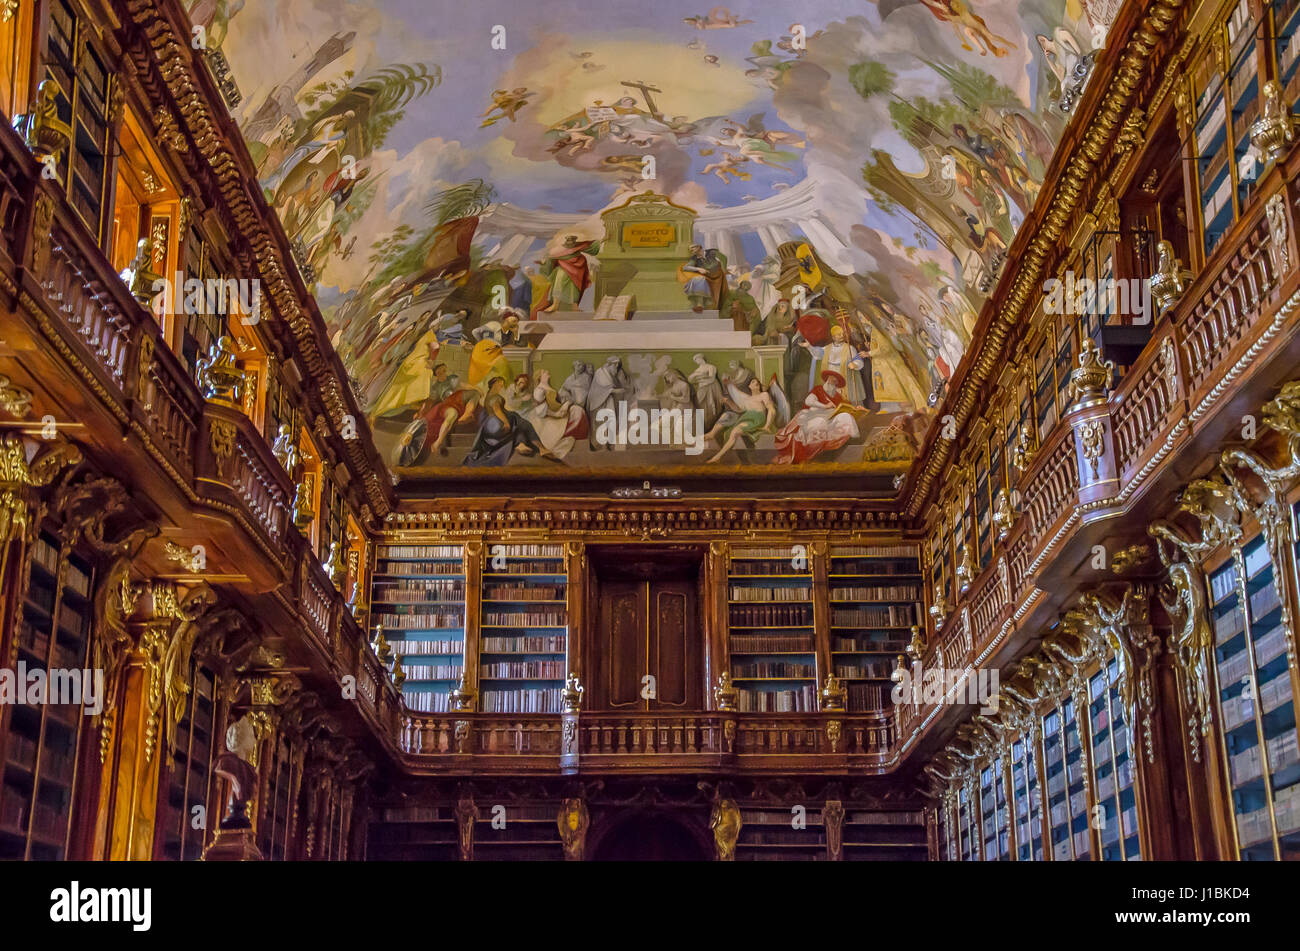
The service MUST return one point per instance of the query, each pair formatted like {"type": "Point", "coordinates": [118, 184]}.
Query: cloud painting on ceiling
{"type": "Point", "coordinates": [589, 236]}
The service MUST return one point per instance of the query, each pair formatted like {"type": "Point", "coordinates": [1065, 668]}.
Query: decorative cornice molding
{"type": "Point", "coordinates": [161, 49]}
{"type": "Point", "coordinates": [1097, 140]}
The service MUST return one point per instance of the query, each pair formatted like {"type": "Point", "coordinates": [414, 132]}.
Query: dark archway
{"type": "Point", "coordinates": [650, 837]}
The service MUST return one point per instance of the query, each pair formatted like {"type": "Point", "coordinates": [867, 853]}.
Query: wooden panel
{"type": "Point", "coordinates": [674, 658]}
{"type": "Point", "coordinates": [620, 642]}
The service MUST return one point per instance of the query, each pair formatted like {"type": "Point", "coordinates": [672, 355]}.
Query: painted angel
{"type": "Point", "coordinates": [748, 413]}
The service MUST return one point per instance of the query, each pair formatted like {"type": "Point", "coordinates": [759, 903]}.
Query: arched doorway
{"type": "Point", "coordinates": [651, 836]}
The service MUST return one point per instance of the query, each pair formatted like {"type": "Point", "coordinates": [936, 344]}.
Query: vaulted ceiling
{"type": "Point", "coordinates": [440, 166]}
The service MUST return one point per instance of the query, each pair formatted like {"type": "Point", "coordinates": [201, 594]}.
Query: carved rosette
{"type": "Point", "coordinates": [573, 822]}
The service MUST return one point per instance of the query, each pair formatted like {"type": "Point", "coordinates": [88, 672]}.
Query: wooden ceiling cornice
{"type": "Point", "coordinates": [208, 144]}
{"type": "Point", "coordinates": [644, 519]}
{"type": "Point", "coordinates": [1095, 138]}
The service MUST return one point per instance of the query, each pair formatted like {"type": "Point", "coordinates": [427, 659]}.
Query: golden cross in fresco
{"type": "Point", "coordinates": [646, 90]}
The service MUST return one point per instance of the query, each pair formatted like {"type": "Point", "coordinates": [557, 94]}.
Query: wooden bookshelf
{"type": "Point", "coordinates": [770, 835]}
{"type": "Point", "coordinates": [1256, 706]}
{"type": "Point", "coordinates": [1112, 767]}
{"type": "Point", "coordinates": [771, 629]}
{"type": "Point", "coordinates": [418, 596]}
{"type": "Point", "coordinates": [1067, 805]}
{"type": "Point", "coordinates": [1027, 794]}
{"type": "Point", "coordinates": [523, 634]}
{"type": "Point", "coordinates": [187, 784]}
{"type": "Point", "coordinates": [518, 832]}
{"type": "Point", "coordinates": [994, 819]}
{"type": "Point", "coordinates": [894, 836]}
{"type": "Point", "coordinates": [40, 772]}
{"type": "Point", "coordinates": [413, 833]}
{"type": "Point", "coordinates": [875, 595]}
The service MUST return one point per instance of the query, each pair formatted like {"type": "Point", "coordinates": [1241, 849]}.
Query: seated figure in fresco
{"type": "Point", "coordinates": [435, 420]}
{"type": "Point", "coordinates": [501, 432]}
{"type": "Point", "coordinates": [839, 357]}
{"type": "Point", "coordinates": [560, 423]}
{"type": "Point", "coordinates": [826, 422]}
{"type": "Point", "coordinates": [747, 413]}
{"type": "Point", "coordinates": [704, 278]}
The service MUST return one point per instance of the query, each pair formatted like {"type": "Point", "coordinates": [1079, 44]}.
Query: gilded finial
{"type": "Point", "coordinates": [571, 695]}
{"type": "Point", "coordinates": [1274, 130]}
{"type": "Point", "coordinates": [44, 133]}
{"type": "Point", "coordinates": [833, 694]}
{"type": "Point", "coordinates": [724, 692]}
{"type": "Point", "coordinates": [1092, 378]}
{"type": "Point", "coordinates": [461, 697]}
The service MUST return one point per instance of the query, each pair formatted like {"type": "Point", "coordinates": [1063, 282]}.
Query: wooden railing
{"type": "Point", "coordinates": [612, 740]}
{"type": "Point", "coordinates": [1223, 305]}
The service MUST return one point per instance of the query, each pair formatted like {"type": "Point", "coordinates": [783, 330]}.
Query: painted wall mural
{"type": "Point", "coordinates": [626, 234]}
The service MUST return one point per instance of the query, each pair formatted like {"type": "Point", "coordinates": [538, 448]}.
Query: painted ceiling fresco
{"type": "Point", "coordinates": [651, 235]}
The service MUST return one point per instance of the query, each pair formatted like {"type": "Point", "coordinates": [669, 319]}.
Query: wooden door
{"type": "Point", "coordinates": [646, 628]}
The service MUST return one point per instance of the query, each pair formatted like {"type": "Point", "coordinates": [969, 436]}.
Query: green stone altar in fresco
{"type": "Point", "coordinates": [646, 238]}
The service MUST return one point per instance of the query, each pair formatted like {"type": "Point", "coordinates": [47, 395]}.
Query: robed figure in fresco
{"type": "Point", "coordinates": [569, 273]}
{"type": "Point", "coordinates": [705, 278]}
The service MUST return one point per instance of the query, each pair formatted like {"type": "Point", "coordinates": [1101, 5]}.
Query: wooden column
{"type": "Point", "coordinates": [576, 594]}
{"type": "Point", "coordinates": [818, 551]}
{"type": "Point", "coordinates": [473, 567]}
{"type": "Point", "coordinates": [716, 617]}
{"type": "Point", "coordinates": [132, 727]}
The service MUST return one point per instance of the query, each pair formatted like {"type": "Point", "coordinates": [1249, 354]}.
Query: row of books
{"type": "Point", "coordinates": [428, 701]}
{"type": "Point", "coordinates": [13, 809]}
{"type": "Point", "coordinates": [784, 552]}
{"type": "Point", "coordinates": [790, 566]}
{"type": "Point", "coordinates": [874, 551]}
{"type": "Point", "coordinates": [434, 589]}
{"type": "Point", "coordinates": [897, 592]}
{"type": "Point", "coordinates": [849, 567]}
{"type": "Point", "coordinates": [774, 668]}
{"type": "Point", "coordinates": [775, 615]}
{"type": "Point", "coordinates": [800, 700]}
{"type": "Point", "coordinates": [744, 593]}
{"type": "Point", "coordinates": [419, 551]}
{"type": "Point", "coordinates": [539, 700]}
{"type": "Point", "coordinates": [45, 555]}
{"type": "Point", "coordinates": [432, 671]}
{"type": "Point", "coordinates": [895, 615]}
{"type": "Point", "coordinates": [416, 568]}
{"type": "Point", "coordinates": [871, 671]}
{"type": "Point", "coordinates": [524, 645]}
{"type": "Point", "coordinates": [513, 592]}
{"type": "Point", "coordinates": [524, 670]}
{"type": "Point", "coordinates": [527, 551]}
{"type": "Point", "coordinates": [867, 697]}
{"type": "Point", "coordinates": [418, 622]}
{"type": "Point", "coordinates": [773, 643]}
{"type": "Point", "coordinates": [525, 619]}
{"type": "Point", "coordinates": [886, 818]}
{"type": "Point", "coordinates": [525, 568]}
{"type": "Point", "coordinates": [852, 644]}
{"type": "Point", "coordinates": [426, 647]}
{"type": "Point", "coordinates": [22, 750]}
